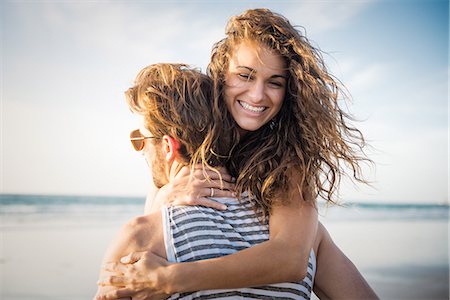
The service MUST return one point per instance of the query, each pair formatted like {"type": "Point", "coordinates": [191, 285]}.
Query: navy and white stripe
{"type": "Point", "coordinates": [197, 232]}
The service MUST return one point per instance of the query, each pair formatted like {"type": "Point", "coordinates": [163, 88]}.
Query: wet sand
{"type": "Point", "coordinates": [60, 260]}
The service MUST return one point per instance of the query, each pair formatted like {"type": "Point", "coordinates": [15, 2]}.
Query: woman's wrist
{"type": "Point", "coordinates": [172, 280]}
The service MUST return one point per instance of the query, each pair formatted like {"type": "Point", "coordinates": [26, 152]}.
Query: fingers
{"type": "Point", "coordinates": [123, 294]}
{"type": "Point", "coordinates": [130, 294]}
{"type": "Point", "coordinates": [194, 186]}
{"type": "Point", "coordinates": [223, 185]}
{"type": "Point", "coordinates": [132, 257]}
{"type": "Point", "coordinates": [211, 203]}
{"type": "Point", "coordinates": [211, 175]}
{"type": "Point", "coordinates": [203, 187]}
{"type": "Point", "coordinates": [200, 180]}
{"type": "Point", "coordinates": [112, 280]}
{"type": "Point", "coordinates": [203, 202]}
{"type": "Point", "coordinates": [217, 193]}
{"type": "Point", "coordinates": [114, 267]}
{"type": "Point", "coordinates": [147, 294]}
{"type": "Point", "coordinates": [220, 173]}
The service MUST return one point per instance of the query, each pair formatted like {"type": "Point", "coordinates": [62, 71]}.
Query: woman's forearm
{"type": "Point", "coordinates": [283, 258]}
{"type": "Point", "coordinates": [266, 263]}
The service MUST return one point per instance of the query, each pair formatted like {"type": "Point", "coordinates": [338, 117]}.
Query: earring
{"type": "Point", "coordinates": [272, 125]}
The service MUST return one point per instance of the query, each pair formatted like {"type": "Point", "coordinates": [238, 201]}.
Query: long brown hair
{"type": "Point", "coordinates": [310, 139]}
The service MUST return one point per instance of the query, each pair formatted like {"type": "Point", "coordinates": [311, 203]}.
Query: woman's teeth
{"type": "Point", "coordinates": [252, 108]}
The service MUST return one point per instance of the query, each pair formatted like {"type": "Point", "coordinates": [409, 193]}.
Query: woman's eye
{"type": "Point", "coordinates": [276, 84]}
{"type": "Point", "coordinates": [244, 76]}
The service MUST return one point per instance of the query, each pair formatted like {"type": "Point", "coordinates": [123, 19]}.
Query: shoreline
{"type": "Point", "coordinates": [60, 259]}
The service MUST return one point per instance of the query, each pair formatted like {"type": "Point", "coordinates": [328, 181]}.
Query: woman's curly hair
{"type": "Point", "coordinates": [310, 140]}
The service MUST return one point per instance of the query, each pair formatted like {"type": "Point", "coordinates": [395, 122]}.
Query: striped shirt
{"type": "Point", "coordinates": [195, 233]}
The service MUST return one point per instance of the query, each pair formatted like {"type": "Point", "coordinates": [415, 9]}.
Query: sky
{"type": "Point", "coordinates": [66, 64]}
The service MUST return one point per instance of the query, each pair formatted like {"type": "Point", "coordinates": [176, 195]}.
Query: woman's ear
{"type": "Point", "coordinates": [170, 148]}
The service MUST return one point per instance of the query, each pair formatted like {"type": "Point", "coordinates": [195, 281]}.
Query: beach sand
{"type": "Point", "coordinates": [400, 259]}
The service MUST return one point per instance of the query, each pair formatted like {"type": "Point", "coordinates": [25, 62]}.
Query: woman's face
{"type": "Point", "coordinates": [255, 85]}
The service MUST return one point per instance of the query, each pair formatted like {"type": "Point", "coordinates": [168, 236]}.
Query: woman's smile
{"type": "Point", "coordinates": [251, 108]}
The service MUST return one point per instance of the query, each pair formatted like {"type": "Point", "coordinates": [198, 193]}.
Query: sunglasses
{"type": "Point", "coordinates": [137, 139]}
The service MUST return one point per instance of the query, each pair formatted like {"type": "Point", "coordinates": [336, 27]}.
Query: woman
{"type": "Point", "coordinates": [291, 139]}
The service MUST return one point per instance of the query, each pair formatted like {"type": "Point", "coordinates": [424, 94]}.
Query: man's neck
{"type": "Point", "coordinates": [174, 169]}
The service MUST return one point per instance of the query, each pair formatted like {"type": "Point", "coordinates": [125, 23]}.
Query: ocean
{"type": "Point", "coordinates": [19, 209]}
{"type": "Point", "coordinates": [50, 210]}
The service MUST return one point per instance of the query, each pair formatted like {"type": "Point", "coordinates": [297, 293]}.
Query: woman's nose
{"type": "Point", "coordinates": [256, 92]}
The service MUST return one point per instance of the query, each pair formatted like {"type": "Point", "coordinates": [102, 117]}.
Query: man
{"type": "Point", "coordinates": [174, 102]}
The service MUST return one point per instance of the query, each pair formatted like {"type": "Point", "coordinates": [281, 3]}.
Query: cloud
{"type": "Point", "coordinates": [367, 77]}
{"type": "Point", "coordinates": [119, 28]}
{"type": "Point", "coordinates": [321, 16]}
{"type": "Point", "coordinates": [152, 31]}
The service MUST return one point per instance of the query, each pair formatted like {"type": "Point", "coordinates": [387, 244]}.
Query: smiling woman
{"type": "Point", "coordinates": [255, 85]}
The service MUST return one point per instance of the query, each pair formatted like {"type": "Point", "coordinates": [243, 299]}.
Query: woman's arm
{"type": "Point", "coordinates": [283, 258]}
{"type": "Point", "coordinates": [187, 188]}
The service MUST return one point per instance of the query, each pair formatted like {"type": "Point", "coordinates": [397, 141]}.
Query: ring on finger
{"type": "Point", "coordinates": [212, 192]}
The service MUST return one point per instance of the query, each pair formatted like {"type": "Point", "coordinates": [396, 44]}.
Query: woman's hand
{"type": "Point", "coordinates": [194, 188]}
{"type": "Point", "coordinates": [139, 276]}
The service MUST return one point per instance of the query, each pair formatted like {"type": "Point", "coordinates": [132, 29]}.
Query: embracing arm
{"type": "Point", "coordinates": [283, 258]}
{"type": "Point", "coordinates": [187, 188]}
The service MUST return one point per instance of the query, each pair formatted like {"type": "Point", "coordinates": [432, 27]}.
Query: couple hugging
{"type": "Point", "coordinates": [238, 158]}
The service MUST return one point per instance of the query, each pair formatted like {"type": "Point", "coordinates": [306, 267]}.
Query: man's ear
{"type": "Point", "coordinates": [170, 147]}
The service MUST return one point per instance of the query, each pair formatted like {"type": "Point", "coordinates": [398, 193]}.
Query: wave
{"type": "Point", "coordinates": [385, 211]}
{"type": "Point", "coordinates": [103, 206]}
{"type": "Point", "coordinates": [17, 199]}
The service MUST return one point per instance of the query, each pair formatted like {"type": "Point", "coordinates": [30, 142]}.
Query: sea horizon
{"type": "Point", "coordinates": [5, 197]}
{"type": "Point", "coordinates": [21, 209]}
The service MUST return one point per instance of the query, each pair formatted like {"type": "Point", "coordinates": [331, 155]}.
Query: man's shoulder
{"type": "Point", "coordinates": [144, 231]}
{"type": "Point", "coordinates": [142, 222]}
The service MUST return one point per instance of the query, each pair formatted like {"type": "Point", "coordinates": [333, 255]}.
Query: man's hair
{"type": "Point", "coordinates": [176, 100]}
